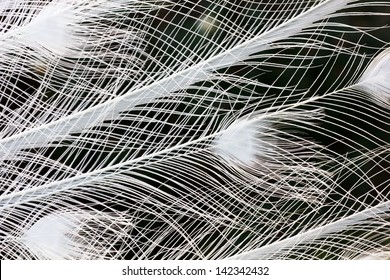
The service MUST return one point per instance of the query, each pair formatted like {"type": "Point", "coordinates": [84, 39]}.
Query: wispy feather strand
{"type": "Point", "coordinates": [194, 129]}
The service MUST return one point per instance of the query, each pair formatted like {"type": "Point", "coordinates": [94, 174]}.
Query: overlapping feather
{"type": "Point", "coordinates": [161, 129]}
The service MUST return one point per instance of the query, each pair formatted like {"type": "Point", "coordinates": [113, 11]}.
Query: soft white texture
{"type": "Point", "coordinates": [160, 117]}
{"type": "Point", "coordinates": [52, 28]}
{"type": "Point", "coordinates": [238, 142]}
{"type": "Point", "coordinates": [376, 77]}
{"type": "Point", "coordinates": [77, 234]}
{"type": "Point", "coordinates": [375, 256]}
{"type": "Point", "coordinates": [51, 236]}
{"type": "Point", "coordinates": [379, 68]}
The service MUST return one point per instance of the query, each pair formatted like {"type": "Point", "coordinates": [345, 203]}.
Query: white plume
{"type": "Point", "coordinates": [189, 129]}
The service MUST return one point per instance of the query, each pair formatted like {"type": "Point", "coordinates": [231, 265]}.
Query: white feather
{"type": "Point", "coordinates": [161, 129]}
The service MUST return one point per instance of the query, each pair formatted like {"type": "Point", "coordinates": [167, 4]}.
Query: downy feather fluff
{"type": "Point", "coordinates": [194, 129]}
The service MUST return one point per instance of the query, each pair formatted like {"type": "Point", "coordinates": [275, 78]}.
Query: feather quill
{"type": "Point", "coordinates": [185, 130]}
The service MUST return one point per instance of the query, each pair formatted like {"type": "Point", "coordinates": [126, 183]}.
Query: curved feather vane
{"type": "Point", "coordinates": [194, 129]}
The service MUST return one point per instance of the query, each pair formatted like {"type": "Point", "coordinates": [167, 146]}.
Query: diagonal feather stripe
{"type": "Point", "coordinates": [238, 129]}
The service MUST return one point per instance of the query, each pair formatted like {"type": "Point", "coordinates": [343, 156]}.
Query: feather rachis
{"type": "Point", "coordinates": [194, 144]}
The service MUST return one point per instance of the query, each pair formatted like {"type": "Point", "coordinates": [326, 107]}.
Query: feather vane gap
{"type": "Point", "coordinates": [131, 130]}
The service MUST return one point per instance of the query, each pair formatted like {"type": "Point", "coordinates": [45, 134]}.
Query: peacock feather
{"type": "Point", "coordinates": [240, 129]}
